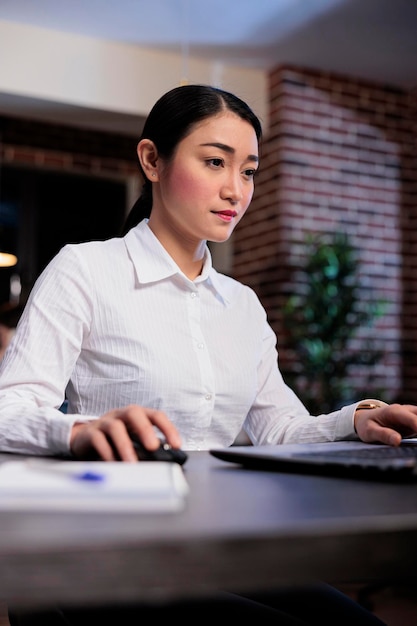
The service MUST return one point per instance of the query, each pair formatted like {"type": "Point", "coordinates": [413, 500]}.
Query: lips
{"type": "Point", "coordinates": [227, 215]}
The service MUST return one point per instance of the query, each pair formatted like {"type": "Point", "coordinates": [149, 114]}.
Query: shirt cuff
{"type": "Point", "coordinates": [345, 429]}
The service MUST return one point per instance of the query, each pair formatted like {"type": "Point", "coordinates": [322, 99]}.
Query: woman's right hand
{"type": "Point", "coordinates": [107, 438]}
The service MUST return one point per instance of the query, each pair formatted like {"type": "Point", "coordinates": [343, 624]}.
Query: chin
{"type": "Point", "coordinates": [219, 239]}
{"type": "Point", "coordinates": [221, 236]}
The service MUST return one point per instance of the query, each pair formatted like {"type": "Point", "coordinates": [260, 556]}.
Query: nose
{"type": "Point", "coordinates": [232, 188]}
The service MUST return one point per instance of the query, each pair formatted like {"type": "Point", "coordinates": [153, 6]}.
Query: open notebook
{"type": "Point", "coordinates": [57, 485]}
{"type": "Point", "coordinates": [348, 458]}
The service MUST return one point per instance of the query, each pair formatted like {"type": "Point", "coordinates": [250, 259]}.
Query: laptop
{"type": "Point", "coordinates": [352, 459]}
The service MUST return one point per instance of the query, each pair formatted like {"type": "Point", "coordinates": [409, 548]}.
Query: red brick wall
{"type": "Point", "coordinates": [66, 149]}
{"type": "Point", "coordinates": [340, 155]}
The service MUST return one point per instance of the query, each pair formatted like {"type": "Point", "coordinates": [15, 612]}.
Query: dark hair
{"type": "Point", "coordinates": [172, 118]}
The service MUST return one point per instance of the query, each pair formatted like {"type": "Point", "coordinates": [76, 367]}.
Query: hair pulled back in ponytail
{"type": "Point", "coordinates": [172, 118]}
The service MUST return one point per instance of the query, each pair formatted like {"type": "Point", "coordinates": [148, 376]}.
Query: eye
{"type": "Point", "coordinates": [249, 173]}
{"type": "Point", "coordinates": [215, 162]}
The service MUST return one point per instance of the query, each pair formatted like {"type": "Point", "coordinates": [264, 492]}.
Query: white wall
{"type": "Point", "coordinates": [56, 67]}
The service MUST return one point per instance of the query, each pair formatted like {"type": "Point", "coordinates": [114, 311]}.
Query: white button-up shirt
{"type": "Point", "coordinates": [116, 322]}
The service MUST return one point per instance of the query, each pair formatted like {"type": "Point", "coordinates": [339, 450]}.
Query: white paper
{"type": "Point", "coordinates": [43, 484]}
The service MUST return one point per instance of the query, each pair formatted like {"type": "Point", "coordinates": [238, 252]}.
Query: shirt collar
{"type": "Point", "coordinates": [152, 262]}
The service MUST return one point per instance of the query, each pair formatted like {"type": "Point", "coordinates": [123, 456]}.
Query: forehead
{"type": "Point", "coordinates": [226, 128]}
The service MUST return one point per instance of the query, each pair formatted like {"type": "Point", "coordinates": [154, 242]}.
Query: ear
{"type": "Point", "coordinates": [148, 157]}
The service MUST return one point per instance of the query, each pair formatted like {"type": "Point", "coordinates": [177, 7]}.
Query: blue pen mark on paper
{"type": "Point", "coordinates": [66, 469]}
{"type": "Point", "coordinates": [90, 476]}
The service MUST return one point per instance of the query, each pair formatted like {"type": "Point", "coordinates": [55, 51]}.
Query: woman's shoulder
{"type": "Point", "coordinates": [87, 258]}
{"type": "Point", "coordinates": [235, 289]}
{"type": "Point", "coordinates": [92, 249]}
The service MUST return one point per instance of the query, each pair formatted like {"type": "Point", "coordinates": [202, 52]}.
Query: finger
{"type": "Point", "coordinates": [142, 420]}
{"type": "Point", "coordinates": [407, 420]}
{"type": "Point", "coordinates": [169, 430]}
{"type": "Point", "coordinates": [382, 434]}
{"type": "Point", "coordinates": [103, 447]}
{"type": "Point", "coordinates": [400, 418]}
{"type": "Point", "coordinates": [118, 438]}
{"type": "Point", "coordinates": [90, 443]}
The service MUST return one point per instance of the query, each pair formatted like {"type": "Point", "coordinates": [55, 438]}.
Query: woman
{"type": "Point", "coordinates": [141, 331]}
{"type": "Point", "coordinates": [143, 336]}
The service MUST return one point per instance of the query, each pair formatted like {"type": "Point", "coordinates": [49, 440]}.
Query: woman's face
{"type": "Point", "coordinates": [205, 189]}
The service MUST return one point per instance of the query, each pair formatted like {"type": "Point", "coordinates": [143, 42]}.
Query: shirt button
{"type": "Point", "coordinates": [193, 294]}
{"type": "Point", "coordinates": [200, 346]}
{"type": "Point", "coordinates": [208, 396]}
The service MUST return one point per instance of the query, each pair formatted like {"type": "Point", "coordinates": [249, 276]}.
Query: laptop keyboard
{"type": "Point", "coordinates": [382, 458]}
{"type": "Point", "coordinates": [403, 451]}
{"type": "Point", "coordinates": [373, 462]}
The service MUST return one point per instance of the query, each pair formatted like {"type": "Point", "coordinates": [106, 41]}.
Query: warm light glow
{"type": "Point", "coordinates": [7, 260]}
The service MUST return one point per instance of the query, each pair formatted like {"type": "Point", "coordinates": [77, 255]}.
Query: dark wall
{"type": "Point", "coordinates": [58, 184]}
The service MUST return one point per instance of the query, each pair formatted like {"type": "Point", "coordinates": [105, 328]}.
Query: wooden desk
{"type": "Point", "coordinates": [241, 530]}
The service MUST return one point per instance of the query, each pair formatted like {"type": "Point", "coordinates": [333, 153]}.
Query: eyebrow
{"type": "Point", "coordinates": [230, 150]}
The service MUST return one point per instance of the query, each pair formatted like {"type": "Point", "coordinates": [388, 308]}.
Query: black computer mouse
{"type": "Point", "coordinates": [164, 453]}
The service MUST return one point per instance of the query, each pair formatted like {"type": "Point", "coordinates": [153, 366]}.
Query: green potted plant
{"type": "Point", "coordinates": [322, 320]}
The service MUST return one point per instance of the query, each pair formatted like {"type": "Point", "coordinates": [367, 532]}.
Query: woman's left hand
{"type": "Point", "coordinates": [386, 424]}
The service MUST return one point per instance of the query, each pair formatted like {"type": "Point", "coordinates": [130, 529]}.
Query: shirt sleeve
{"type": "Point", "coordinates": [39, 361]}
{"type": "Point", "coordinates": [278, 416]}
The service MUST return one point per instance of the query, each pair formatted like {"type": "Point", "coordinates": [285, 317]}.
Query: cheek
{"type": "Point", "coordinates": [241, 214]}
{"type": "Point", "coordinates": [247, 198]}
{"type": "Point", "coordinates": [184, 184]}
{"type": "Point", "coordinates": [249, 194]}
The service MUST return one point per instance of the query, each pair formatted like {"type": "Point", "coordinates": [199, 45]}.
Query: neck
{"type": "Point", "coordinates": [188, 255]}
